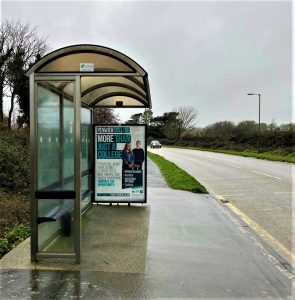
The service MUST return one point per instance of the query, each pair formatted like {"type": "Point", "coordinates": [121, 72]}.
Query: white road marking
{"type": "Point", "coordinates": [210, 159]}
{"type": "Point", "coordinates": [267, 175]}
{"type": "Point", "coordinates": [230, 165]}
{"type": "Point", "coordinates": [229, 195]}
{"type": "Point", "coordinates": [284, 192]}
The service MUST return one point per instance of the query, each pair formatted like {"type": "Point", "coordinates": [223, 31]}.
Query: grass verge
{"type": "Point", "coordinates": [273, 156]}
{"type": "Point", "coordinates": [176, 178]}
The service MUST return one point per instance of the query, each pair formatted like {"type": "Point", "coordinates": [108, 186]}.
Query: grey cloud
{"type": "Point", "coordinates": [207, 54]}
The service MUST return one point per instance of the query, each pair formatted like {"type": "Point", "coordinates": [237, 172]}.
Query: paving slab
{"type": "Point", "coordinates": [114, 239]}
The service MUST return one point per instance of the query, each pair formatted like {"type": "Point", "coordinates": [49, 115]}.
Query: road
{"type": "Point", "coordinates": [259, 191]}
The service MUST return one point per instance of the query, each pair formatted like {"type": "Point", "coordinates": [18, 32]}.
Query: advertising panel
{"type": "Point", "coordinates": [120, 163]}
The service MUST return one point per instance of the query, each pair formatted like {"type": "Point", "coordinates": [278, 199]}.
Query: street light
{"type": "Point", "coordinates": [259, 139]}
{"type": "Point", "coordinates": [251, 94]}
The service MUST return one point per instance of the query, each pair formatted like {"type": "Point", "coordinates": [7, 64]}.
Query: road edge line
{"type": "Point", "coordinates": [268, 238]}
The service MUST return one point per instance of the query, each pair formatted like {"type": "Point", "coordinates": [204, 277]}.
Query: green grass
{"type": "Point", "coordinates": [273, 156]}
{"type": "Point", "coordinates": [176, 178]}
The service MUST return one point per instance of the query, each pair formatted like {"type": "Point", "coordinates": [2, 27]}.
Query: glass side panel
{"type": "Point", "coordinates": [86, 183]}
{"type": "Point", "coordinates": [85, 201]}
{"type": "Point", "coordinates": [55, 165]}
{"type": "Point", "coordinates": [55, 225]}
{"type": "Point", "coordinates": [86, 134]}
{"type": "Point", "coordinates": [48, 137]}
{"type": "Point", "coordinates": [68, 149]}
{"type": "Point", "coordinates": [55, 144]}
{"type": "Point", "coordinates": [86, 152]}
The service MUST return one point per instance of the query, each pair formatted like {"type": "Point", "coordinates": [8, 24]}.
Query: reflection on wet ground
{"type": "Point", "coordinates": [40, 284]}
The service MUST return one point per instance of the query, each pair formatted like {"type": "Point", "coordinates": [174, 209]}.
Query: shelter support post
{"type": "Point", "coordinates": [33, 127]}
{"type": "Point", "coordinates": [77, 166]}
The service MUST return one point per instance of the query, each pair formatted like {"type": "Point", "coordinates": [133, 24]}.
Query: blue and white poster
{"type": "Point", "coordinates": [120, 163]}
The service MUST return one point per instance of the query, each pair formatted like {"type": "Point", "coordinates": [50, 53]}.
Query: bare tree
{"type": "Point", "coordinates": [21, 46]}
{"type": "Point", "coordinates": [105, 115]}
{"type": "Point", "coordinates": [6, 48]}
{"type": "Point", "coordinates": [187, 117]}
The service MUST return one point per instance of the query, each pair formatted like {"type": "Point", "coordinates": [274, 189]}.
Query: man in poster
{"type": "Point", "coordinates": [138, 156]}
{"type": "Point", "coordinates": [132, 161]}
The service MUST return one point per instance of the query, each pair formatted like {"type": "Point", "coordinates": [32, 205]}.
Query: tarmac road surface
{"type": "Point", "coordinates": [260, 191]}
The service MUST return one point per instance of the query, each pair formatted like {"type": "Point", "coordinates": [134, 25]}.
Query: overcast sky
{"type": "Point", "coordinates": [206, 54]}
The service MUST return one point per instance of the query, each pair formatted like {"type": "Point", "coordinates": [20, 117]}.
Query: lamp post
{"type": "Point", "coordinates": [259, 95]}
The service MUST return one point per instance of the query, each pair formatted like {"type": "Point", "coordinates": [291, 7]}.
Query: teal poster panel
{"type": "Point", "coordinates": [120, 154]}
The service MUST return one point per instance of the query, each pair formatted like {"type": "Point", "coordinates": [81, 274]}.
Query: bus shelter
{"type": "Point", "coordinates": [65, 86]}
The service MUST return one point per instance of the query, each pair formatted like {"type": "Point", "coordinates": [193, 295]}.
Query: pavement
{"type": "Point", "coordinates": [196, 248]}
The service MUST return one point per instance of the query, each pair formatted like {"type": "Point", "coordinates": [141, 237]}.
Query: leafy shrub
{"type": "Point", "coordinates": [14, 161]}
{"type": "Point", "coordinates": [14, 209]}
{"type": "Point", "coordinates": [13, 237]}
{"type": "Point", "coordinates": [267, 141]}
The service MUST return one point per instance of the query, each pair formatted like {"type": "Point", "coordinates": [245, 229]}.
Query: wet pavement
{"type": "Point", "coordinates": [196, 249]}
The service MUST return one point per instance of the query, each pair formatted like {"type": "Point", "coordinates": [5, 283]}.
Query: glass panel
{"type": "Point", "coordinates": [86, 152]}
{"type": "Point", "coordinates": [85, 201]}
{"type": "Point", "coordinates": [55, 225]}
{"type": "Point", "coordinates": [86, 134]}
{"type": "Point", "coordinates": [55, 135]}
{"type": "Point", "coordinates": [86, 183]}
{"type": "Point", "coordinates": [68, 164]}
{"type": "Point", "coordinates": [55, 147]}
{"type": "Point", "coordinates": [48, 137]}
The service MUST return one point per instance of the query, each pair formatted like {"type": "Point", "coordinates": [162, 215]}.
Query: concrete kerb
{"type": "Point", "coordinates": [266, 241]}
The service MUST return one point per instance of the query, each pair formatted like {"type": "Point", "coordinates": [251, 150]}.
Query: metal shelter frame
{"type": "Point", "coordinates": [58, 81]}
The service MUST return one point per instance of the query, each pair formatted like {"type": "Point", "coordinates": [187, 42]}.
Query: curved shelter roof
{"type": "Point", "coordinates": [109, 78]}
